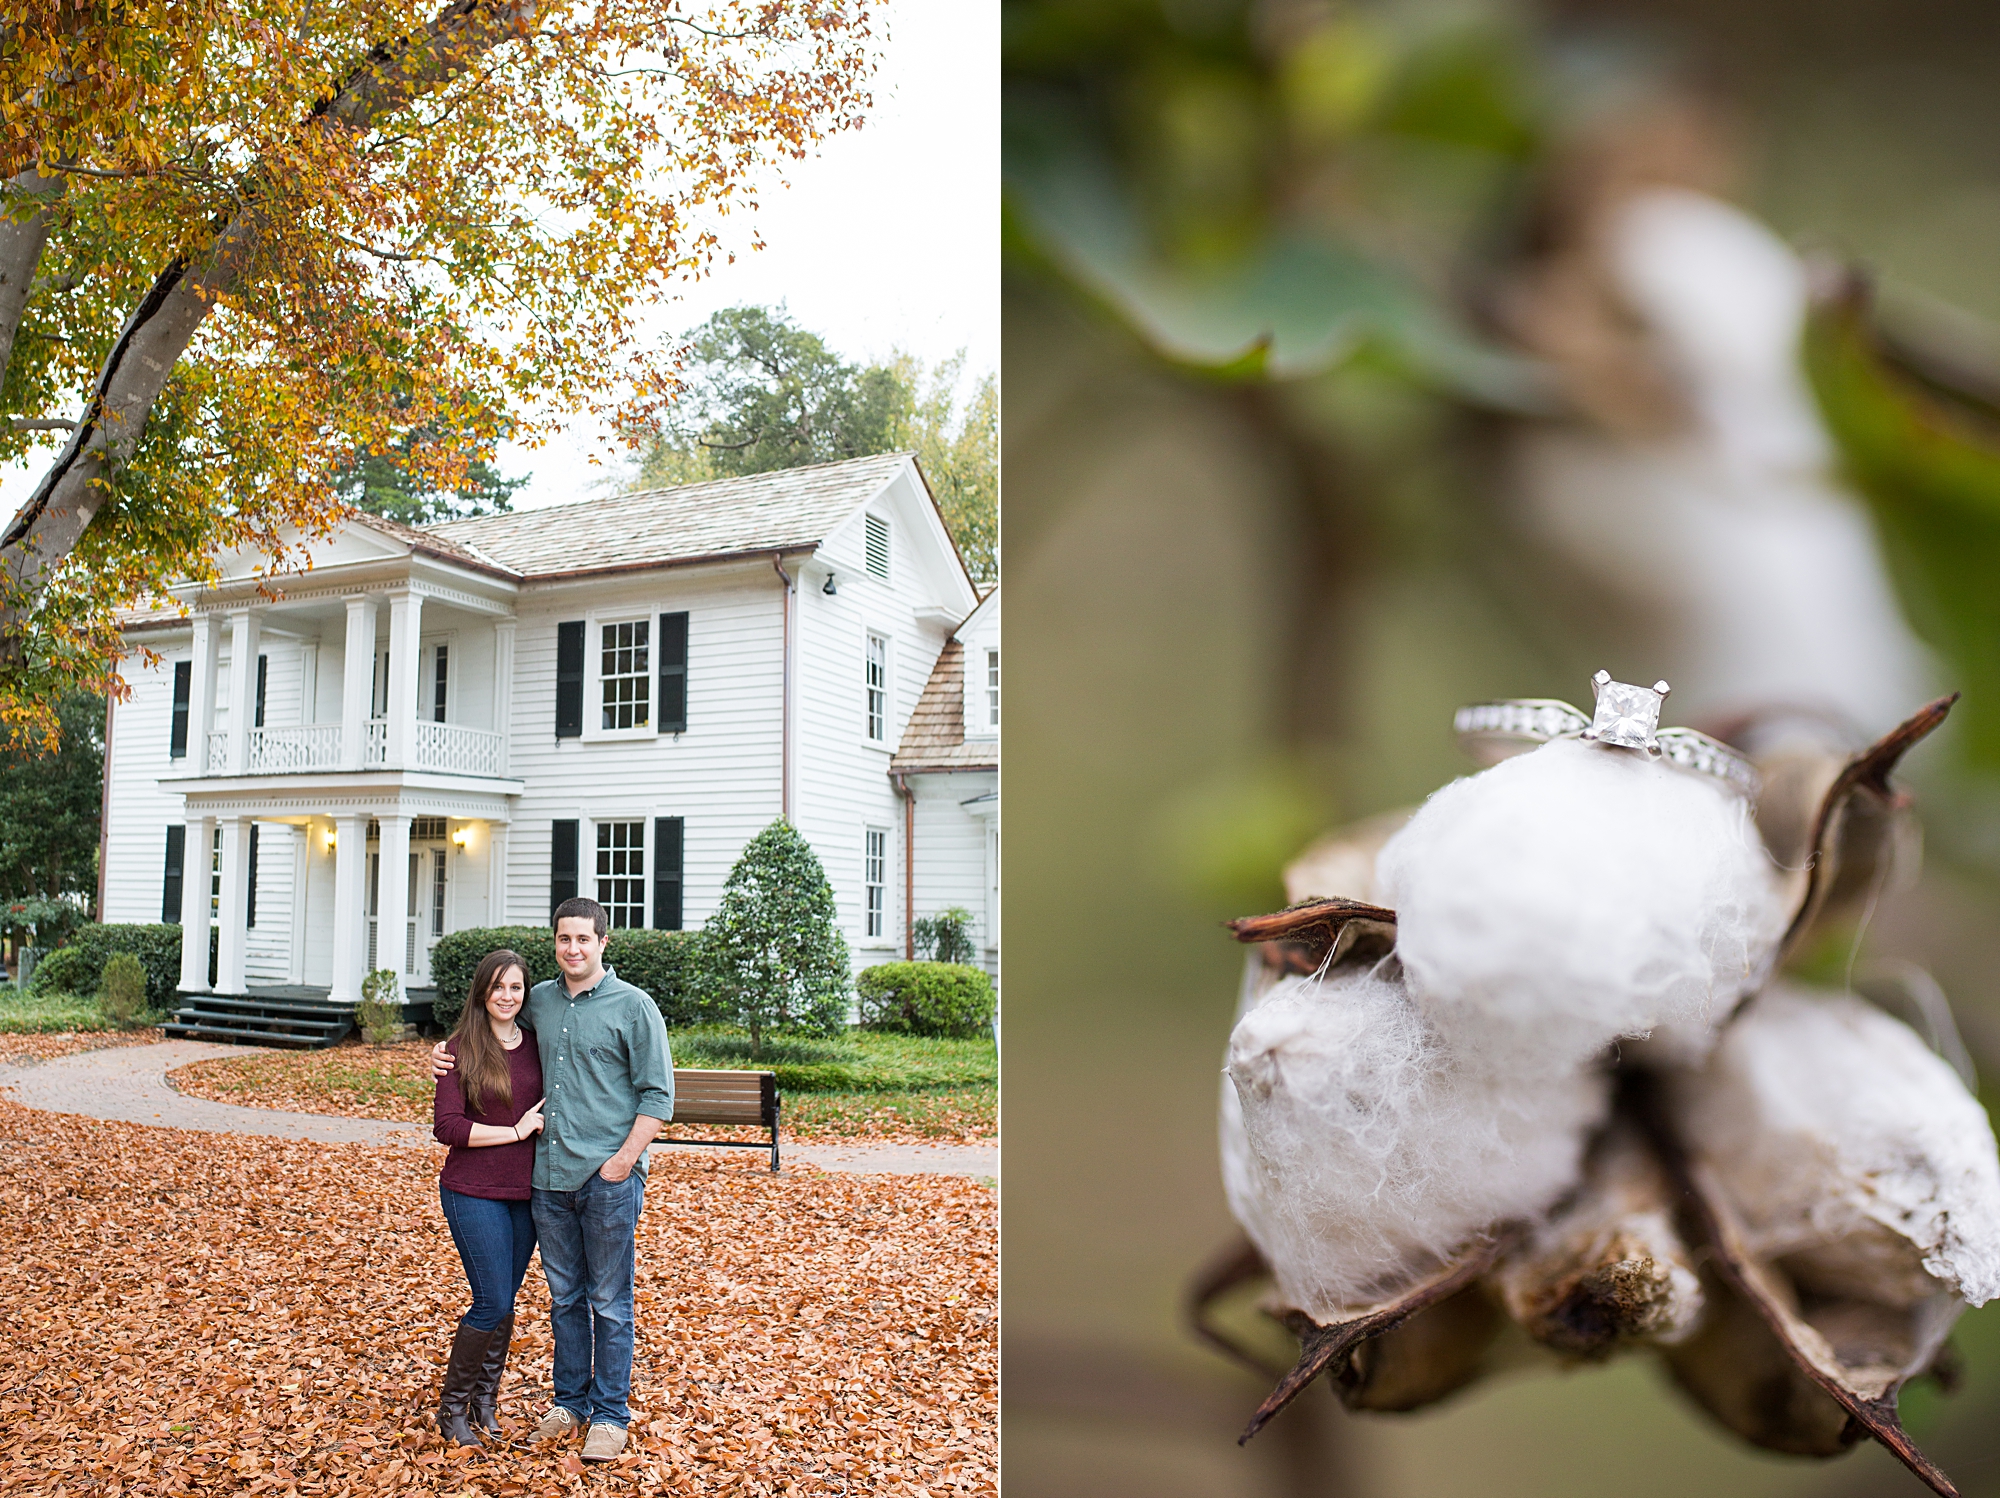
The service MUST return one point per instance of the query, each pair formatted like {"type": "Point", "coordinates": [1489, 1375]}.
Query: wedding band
{"type": "Point", "coordinates": [1627, 717]}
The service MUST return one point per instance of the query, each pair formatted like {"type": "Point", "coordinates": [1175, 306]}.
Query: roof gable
{"type": "Point", "coordinates": [784, 511]}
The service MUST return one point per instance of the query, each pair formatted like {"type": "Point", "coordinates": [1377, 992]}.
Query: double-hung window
{"type": "Point", "coordinates": [625, 673]}
{"type": "Point", "coordinates": [875, 880]}
{"type": "Point", "coordinates": [992, 689]}
{"type": "Point", "coordinates": [878, 689]}
{"type": "Point", "coordinates": [621, 872]}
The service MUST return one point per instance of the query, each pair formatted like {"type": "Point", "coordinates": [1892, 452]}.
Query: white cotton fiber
{"type": "Point", "coordinates": [1853, 1152]}
{"type": "Point", "coordinates": [1577, 894]}
{"type": "Point", "coordinates": [1368, 1153]}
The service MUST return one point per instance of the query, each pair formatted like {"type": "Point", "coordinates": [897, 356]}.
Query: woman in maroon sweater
{"type": "Point", "coordinates": [488, 1109]}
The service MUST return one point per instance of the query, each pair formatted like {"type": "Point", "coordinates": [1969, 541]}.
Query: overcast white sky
{"type": "Point", "coordinates": [890, 238]}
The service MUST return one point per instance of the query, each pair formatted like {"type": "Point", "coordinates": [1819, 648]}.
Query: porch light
{"type": "Point", "coordinates": [462, 838]}
{"type": "Point", "coordinates": [332, 837]}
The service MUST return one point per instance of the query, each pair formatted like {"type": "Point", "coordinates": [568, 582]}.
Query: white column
{"type": "Point", "coordinates": [245, 628]}
{"type": "Point", "coordinates": [496, 874]}
{"type": "Point", "coordinates": [195, 855]}
{"type": "Point", "coordinates": [350, 906]}
{"type": "Point", "coordinates": [232, 916]}
{"type": "Point", "coordinates": [357, 683]}
{"type": "Point", "coordinates": [503, 687]}
{"type": "Point", "coordinates": [406, 615]}
{"type": "Point", "coordinates": [392, 906]}
{"type": "Point", "coordinates": [201, 703]}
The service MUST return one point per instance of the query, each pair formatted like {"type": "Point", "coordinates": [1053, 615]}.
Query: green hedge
{"type": "Point", "coordinates": [78, 966]}
{"type": "Point", "coordinates": [653, 960]}
{"type": "Point", "coordinates": [926, 998]}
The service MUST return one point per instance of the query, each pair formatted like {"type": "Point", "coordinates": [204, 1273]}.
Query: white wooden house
{"type": "Point", "coordinates": [454, 726]}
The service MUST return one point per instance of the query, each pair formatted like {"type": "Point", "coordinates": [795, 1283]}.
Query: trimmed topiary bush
{"type": "Point", "coordinates": [926, 998]}
{"type": "Point", "coordinates": [653, 960]}
{"type": "Point", "coordinates": [772, 957]}
{"type": "Point", "coordinates": [122, 998]}
{"type": "Point", "coordinates": [380, 1012]}
{"type": "Point", "coordinates": [78, 967]}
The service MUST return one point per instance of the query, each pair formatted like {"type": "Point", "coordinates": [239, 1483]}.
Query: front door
{"type": "Point", "coordinates": [430, 891]}
{"type": "Point", "coordinates": [428, 899]}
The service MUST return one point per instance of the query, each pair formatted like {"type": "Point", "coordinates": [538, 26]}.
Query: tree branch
{"type": "Point", "coordinates": [45, 424]}
{"type": "Point", "coordinates": [23, 236]}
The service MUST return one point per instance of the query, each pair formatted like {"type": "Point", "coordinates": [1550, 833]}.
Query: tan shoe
{"type": "Point", "coordinates": [557, 1422]}
{"type": "Point", "coordinates": [603, 1443]}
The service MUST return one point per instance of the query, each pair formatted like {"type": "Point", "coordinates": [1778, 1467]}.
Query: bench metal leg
{"type": "Point", "coordinates": [774, 1141]}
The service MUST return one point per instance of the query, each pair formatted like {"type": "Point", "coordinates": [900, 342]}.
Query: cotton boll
{"type": "Point", "coordinates": [1576, 894]}
{"type": "Point", "coordinates": [1370, 1153]}
{"type": "Point", "coordinates": [1855, 1154]}
{"type": "Point", "coordinates": [1239, 1168]}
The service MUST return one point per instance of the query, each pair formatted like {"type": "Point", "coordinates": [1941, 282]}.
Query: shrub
{"type": "Point", "coordinates": [653, 960]}
{"type": "Point", "coordinates": [926, 998]}
{"type": "Point", "coordinates": [944, 937]}
{"type": "Point", "coordinates": [772, 957]}
{"type": "Point", "coordinates": [380, 1012]}
{"type": "Point", "coordinates": [122, 999]}
{"type": "Point", "coordinates": [78, 968]}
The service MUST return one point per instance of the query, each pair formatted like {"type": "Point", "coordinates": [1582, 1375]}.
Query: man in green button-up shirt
{"type": "Point", "coordinates": [608, 1087]}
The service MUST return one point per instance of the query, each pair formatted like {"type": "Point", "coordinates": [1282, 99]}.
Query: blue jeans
{"type": "Point", "coordinates": [589, 1255]}
{"type": "Point", "coordinates": [495, 1240]}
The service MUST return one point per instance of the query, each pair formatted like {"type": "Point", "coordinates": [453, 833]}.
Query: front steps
{"type": "Point", "coordinates": [274, 1019]}
{"type": "Point", "coordinates": [292, 1016]}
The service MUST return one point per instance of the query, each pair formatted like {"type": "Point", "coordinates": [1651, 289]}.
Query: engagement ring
{"type": "Point", "coordinates": [1627, 717]}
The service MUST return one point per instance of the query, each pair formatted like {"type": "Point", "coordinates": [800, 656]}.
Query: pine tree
{"type": "Point", "coordinates": [772, 957]}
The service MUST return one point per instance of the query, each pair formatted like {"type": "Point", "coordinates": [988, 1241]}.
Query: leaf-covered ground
{"type": "Point", "coordinates": [392, 1082]}
{"type": "Point", "coordinates": [183, 1314]}
{"type": "Point", "coordinates": [31, 1047]}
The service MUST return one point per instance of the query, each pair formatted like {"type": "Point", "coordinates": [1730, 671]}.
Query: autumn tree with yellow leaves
{"type": "Point", "coordinates": [241, 242]}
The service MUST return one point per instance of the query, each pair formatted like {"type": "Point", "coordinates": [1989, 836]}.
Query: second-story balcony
{"type": "Point", "coordinates": [448, 748]}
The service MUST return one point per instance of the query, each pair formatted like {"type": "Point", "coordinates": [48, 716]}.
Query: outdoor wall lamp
{"type": "Point", "coordinates": [462, 838]}
{"type": "Point", "coordinates": [829, 589]}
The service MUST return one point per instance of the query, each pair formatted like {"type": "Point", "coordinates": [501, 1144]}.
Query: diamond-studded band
{"type": "Point", "coordinates": [1539, 719]}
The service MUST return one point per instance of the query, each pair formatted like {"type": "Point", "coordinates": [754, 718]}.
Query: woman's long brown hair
{"type": "Point", "coordinates": [483, 1073]}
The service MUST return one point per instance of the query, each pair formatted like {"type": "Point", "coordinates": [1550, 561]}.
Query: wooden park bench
{"type": "Point", "coordinates": [727, 1097]}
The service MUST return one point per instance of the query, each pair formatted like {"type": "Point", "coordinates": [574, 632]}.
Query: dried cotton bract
{"type": "Point", "coordinates": [1372, 1151]}
{"type": "Point", "coordinates": [1853, 1152]}
{"type": "Point", "coordinates": [1575, 895]}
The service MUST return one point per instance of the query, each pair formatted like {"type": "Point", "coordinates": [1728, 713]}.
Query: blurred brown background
{"type": "Point", "coordinates": [1243, 610]}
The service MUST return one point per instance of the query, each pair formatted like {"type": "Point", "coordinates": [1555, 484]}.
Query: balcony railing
{"type": "Point", "coordinates": [286, 751]}
{"type": "Point", "coordinates": [458, 750]}
{"type": "Point", "coordinates": [448, 747]}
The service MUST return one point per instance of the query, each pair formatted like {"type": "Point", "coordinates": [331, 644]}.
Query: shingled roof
{"type": "Point", "coordinates": [724, 517]}
{"type": "Point", "coordinates": [935, 739]}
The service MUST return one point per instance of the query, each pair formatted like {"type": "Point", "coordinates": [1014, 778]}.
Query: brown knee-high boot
{"type": "Point", "coordinates": [461, 1373]}
{"type": "Point", "coordinates": [486, 1387]}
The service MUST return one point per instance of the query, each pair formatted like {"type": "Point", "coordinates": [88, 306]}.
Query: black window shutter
{"type": "Point", "coordinates": [569, 683]}
{"type": "Point", "coordinates": [170, 887]}
{"type": "Point", "coordinates": [250, 900]}
{"type": "Point", "coordinates": [263, 670]}
{"type": "Point", "coordinates": [443, 667]}
{"type": "Point", "coordinates": [177, 745]}
{"type": "Point", "coordinates": [667, 837]}
{"type": "Point", "coordinates": [562, 860]}
{"type": "Point", "coordinates": [673, 713]}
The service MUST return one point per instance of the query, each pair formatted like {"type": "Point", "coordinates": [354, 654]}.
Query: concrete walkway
{"type": "Point", "coordinates": [128, 1084]}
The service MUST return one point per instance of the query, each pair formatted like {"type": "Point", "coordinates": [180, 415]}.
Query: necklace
{"type": "Point", "coordinates": [509, 1042]}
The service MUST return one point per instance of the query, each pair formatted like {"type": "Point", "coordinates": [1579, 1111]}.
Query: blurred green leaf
{"type": "Point", "coordinates": [1294, 304]}
{"type": "Point", "coordinates": [1931, 473]}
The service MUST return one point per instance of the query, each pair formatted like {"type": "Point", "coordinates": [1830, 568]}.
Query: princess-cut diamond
{"type": "Point", "coordinates": [1626, 716]}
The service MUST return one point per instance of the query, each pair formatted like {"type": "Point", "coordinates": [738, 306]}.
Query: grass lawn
{"type": "Point", "coordinates": [856, 1085]}
{"type": "Point", "coordinates": [47, 1013]}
